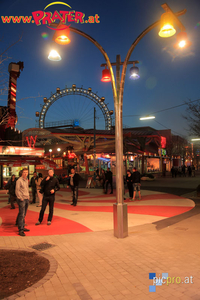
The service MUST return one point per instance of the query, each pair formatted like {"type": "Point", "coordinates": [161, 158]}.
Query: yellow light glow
{"type": "Point", "coordinates": [61, 36]}
{"type": "Point", "coordinates": [62, 39]}
{"type": "Point", "coordinates": [166, 25]}
{"type": "Point", "coordinates": [182, 44]}
{"type": "Point", "coordinates": [167, 31]}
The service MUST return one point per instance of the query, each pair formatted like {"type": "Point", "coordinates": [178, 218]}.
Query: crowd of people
{"type": "Point", "coordinates": [45, 188]}
{"type": "Point", "coordinates": [183, 171]}
{"type": "Point", "coordinates": [132, 180]}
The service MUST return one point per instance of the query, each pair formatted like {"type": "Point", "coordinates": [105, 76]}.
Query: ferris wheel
{"type": "Point", "coordinates": [74, 109]}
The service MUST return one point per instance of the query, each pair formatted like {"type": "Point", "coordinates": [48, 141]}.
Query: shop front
{"type": "Point", "coordinates": [14, 159]}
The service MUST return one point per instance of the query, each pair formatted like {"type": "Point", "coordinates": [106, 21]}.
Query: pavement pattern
{"type": "Point", "coordinates": [92, 264]}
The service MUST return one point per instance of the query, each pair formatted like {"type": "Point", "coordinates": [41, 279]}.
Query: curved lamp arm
{"type": "Point", "coordinates": [149, 28]}
{"type": "Point", "coordinates": [104, 54]}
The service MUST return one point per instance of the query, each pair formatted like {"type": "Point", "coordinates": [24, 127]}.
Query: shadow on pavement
{"type": "Point", "coordinates": [173, 220]}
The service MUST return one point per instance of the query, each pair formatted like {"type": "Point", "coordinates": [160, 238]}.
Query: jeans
{"type": "Point", "coordinates": [47, 199]}
{"type": "Point", "coordinates": [74, 194]}
{"type": "Point", "coordinates": [23, 205]}
{"type": "Point", "coordinates": [34, 191]}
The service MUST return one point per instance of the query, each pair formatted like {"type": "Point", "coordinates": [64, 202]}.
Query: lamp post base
{"type": "Point", "coordinates": [120, 218]}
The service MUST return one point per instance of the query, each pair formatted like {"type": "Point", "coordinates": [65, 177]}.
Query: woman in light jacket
{"type": "Point", "coordinates": [38, 188]}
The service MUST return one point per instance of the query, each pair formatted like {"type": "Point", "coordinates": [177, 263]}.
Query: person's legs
{"type": "Point", "coordinates": [111, 186]}
{"type": "Point", "coordinates": [134, 193]}
{"type": "Point", "coordinates": [44, 205]}
{"type": "Point", "coordinates": [33, 195]}
{"type": "Point", "coordinates": [75, 195]}
{"type": "Point", "coordinates": [51, 205]}
{"type": "Point", "coordinates": [12, 200]}
{"type": "Point", "coordinates": [39, 197]}
{"type": "Point", "coordinates": [21, 215]}
{"type": "Point", "coordinates": [106, 187]}
{"type": "Point", "coordinates": [139, 193]}
{"type": "Point", "coordinates": [131, 191]}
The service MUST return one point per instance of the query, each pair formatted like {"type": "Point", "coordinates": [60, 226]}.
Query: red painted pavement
{"type": "Point", "coordinates": [58, 226]}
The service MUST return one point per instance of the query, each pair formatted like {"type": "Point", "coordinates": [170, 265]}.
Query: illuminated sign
{"type": "Point", "coordinates": [9, 150]}
{"type": "Point", "coordinates": [31, 142]}
{"type": "Point", "coordinates": [163, 142]}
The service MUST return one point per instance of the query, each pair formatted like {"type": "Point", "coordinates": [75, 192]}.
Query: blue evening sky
{"type": "Point", "coordinates": [167, 77]}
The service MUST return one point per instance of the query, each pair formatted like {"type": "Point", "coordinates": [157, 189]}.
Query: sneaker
{"type": "Point", "coordinates": [26, 229]}
{"type": "Point", "coordinates": [38, 223]}
{"type": "Point", "coordinates": [49, 223]}
{"type": "Point", "coordinates": [22, 233]}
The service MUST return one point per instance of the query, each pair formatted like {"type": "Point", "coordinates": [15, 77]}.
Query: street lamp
{"type": "Point", "coordinates": [147, 118]}
{"type": "Point", "coordinates": [54, 56]}
{"type": "Point", "coordinates": [120, 208]}
{"type": "Point", "coordinates": [50, 150]}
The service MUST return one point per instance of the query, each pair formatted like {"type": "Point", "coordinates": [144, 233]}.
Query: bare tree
{"type": "Point", "coordinates": [192, 116]}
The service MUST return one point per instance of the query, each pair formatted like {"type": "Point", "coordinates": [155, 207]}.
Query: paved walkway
{"type": "Point", "coordinates": [93, 264]}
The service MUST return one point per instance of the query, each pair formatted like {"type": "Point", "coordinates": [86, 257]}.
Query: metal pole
{"type": "Point", "coordinates": [120, 208]}
{"type": "Point", "coordinates": [94, 144]}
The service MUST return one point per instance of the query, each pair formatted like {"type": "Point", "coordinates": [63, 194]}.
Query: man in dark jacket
{"type": "Point", "coordinates": [109, 180]}
{"type": "Point", "coordinates": [49, 186]}
{"type": "Point", "coordinates": [73, 183]}
{"type": "Point", "coordinates": [10, 186]}
{"type": "Point", "coordinates": [33, 186]}
{"type": "Point", "coordinates": [136, 183]}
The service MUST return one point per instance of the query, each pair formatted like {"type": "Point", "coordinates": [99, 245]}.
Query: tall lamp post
{"type": "Point", "coordinates": [120, 208]}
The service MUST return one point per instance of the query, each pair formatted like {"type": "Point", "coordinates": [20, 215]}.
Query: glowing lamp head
{"type": "Point", "coordinates": [182, 41]}
{"type": "Point", "coordinates": [54, 56]}
{"type": "Point", "coordinates": [134, 73]}
{"type": "Point", "coordinates": [106, 75]}
{"type": "Point", "coordinates": [61, 36]}
{"type": "Point", "coordinates": [166, 25]}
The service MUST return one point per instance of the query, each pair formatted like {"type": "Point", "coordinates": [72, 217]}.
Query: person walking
{"type": "Point", "coordinates": [73, 183]}
{"type": "Point", "coordinates": [183, 170]}
{"type": "Point", "coordinates": [49, 186]}
{"type": "Point", "coordinates": [136, 183]}
{"type": "Point", "coordinates": [22, 193]}
{"type": "Point", "coordinates": [38, 181]}
{"type": "Point", "coordinates": [109, 180]}
{"type": "Point", "coordinates": [33, 186]}
{"type": "Point", "coordinates": [103, 179]}
{"type": "Point", "coordinates": [10, 186]}
{"type": "Point", "coordinates": [129, 182]}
